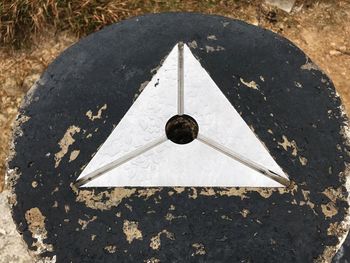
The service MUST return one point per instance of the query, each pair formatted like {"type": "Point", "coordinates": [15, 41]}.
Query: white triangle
{"type": "Point", "coordinates": [168, 164]}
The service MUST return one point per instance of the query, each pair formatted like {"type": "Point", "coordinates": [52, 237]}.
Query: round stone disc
{"type": "Point", "coordinates": [287, 102]}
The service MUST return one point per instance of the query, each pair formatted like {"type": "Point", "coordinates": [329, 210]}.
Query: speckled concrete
{"type": "Point", "coordinates": [12, 247]}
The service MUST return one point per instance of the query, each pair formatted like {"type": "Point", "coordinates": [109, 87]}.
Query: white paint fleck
{"type": "Point", "coordinates": [251, 84]}
{"type": "Point", "coordinates": [212, 37]}
{"type": "Point", "coordinates": [210, 49]}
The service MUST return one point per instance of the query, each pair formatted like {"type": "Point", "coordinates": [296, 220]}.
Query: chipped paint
{"type": "Point", "coordinates": [199, 249]}
{"type": "Point", "coordinates": [266, 193]}
{"type": "Point", "coordinates": [245, 213]}
{"type": "Point", "coordinates": [170, 217]}
{"type": "Point", "coordinates": [98, 115]}
{"type": "Point", "coordinates": [329, 210]}
{"type": "Point", "coordinates": [207, 192]}
{"type": "Point", "coordinates": [110, 249]}
{"type": "Point", "coordinates": [297, 84]}
{"type": "Point", "coordinates": [65, 142]}
{"type": "Point", "coordinates": [238, 191]}
{"type": "Point", "coordinates": [84, 223]}
{"type": "Point", "coordinates": [309, 66]}
{"type": "Point", "coordinates": [147, 193]}
{"type": "Point", "coordinates": [152, 260]}
{"type": "Point", "coordinates": [131, 231]}
{"type": "Point", "coordinates": [36, 225]}
{"type": "Point", "coordinates": [141, 88]}
{"type": "Point", "coordinates": [333, 229]}
{"type": "Point", "coordinates": [211, 37]}
{"type": "Point", "coordinates": [179, 190]}
{"type": "Point", "coordinates": [104, 200]}
{"type": "Point", "coordinates": [193, 44]}
{"type": "Point", "coordinates": [225, 217]}
{"type": "Point", "coordinates": [286, 144]}
{"type": "Point", "coordinates": [334, 194]}
{"type": "Point", "coordinates": [302, 160]}
{"type": "Point", "coordinates": [156, 242]}
{"type": "Point", "coordinates": [210, 49]}
{"type": "Point", "coordinates": [251, 84]}
{"type": "Point", "coordinates": [73, 155]}
{"type": "Point", "coordinates": [193, 193]}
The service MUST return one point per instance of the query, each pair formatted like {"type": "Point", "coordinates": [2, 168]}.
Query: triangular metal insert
{"type": "Point", "coordinates": [226, 153]}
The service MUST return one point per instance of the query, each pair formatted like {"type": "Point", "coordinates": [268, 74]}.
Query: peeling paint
{"type": "Point", "coordinates": [309, 66]}
{"type": "Point", "coordinates": [286, 144]}
{"type": "Point", "coordinates": [199, 249]}
{"type": "Point", "coordinates": [110, 249]}
{"type": "Point", "coordinates": [65, 142]}
{"type": "Point", "coordinates": [211, 37]}
{"type": "Point", "coordinates": [252, 84]}
{"type": "Point", "coordinates": [245, 213]}
{"type": "Point", "coordinates": [193, 44]}
{"type": "Point", "coordinates": [104, 200]}
{"type": "Point", "coordinates": [36, 225]}
{"type": "Point", "coordinates": [98, 115]}
{"type": "Point", "coordinates": [210, 49]}
{"type": "Point", "coordinates": [302, 160]}
{"type": "Point", "coordinates": [73, 155]}
{"type": "Point", "coordinates": [266, 193]}
{"type": "Point", "coordinates": [329, 210]}
{"type": "Point", "coordinates": [156, 242]}
{"type": "Point", "coordinates": [152, 260]}
{"type": "Point", "coordinates": [131, 231]}
{"type": "Point", "coordinates": [298, 84]}
{"type": "Point", "coordinates": [84, 223]}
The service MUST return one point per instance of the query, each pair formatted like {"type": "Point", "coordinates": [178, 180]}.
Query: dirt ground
{"type": "Point", "coordinates": [320, 28]}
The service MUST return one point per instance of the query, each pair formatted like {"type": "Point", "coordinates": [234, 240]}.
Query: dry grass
{"type": "Point", "coordinates": [21, 20]}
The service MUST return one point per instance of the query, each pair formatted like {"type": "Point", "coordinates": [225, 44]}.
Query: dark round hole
{"type": "Point", "coordinates": [181, 129]}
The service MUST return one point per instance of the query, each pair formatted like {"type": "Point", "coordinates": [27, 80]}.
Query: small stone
{"type": "Point", "coordinates": [285, 5]}
{"type": "Point", "coordinates": [334, 52]}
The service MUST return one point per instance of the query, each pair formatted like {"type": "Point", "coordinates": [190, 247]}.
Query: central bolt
{"type": "Point", "coordinates": [181, 129]}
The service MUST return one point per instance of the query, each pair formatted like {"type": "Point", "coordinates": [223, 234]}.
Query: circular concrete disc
{"type": "Point", "coordinates": [284, 98]}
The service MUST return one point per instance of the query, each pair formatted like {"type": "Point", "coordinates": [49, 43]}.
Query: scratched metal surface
{"type": "Point", "coordinates": [83, 95]}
